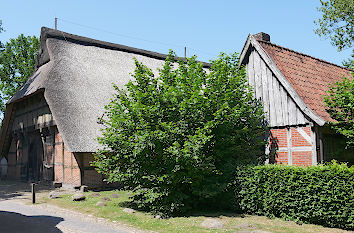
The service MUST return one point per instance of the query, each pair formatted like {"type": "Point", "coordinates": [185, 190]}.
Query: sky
{"type": "Point", "coordinates": [206, 27]}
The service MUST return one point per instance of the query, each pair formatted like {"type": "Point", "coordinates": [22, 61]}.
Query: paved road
{"type": "Point", "coordinates": [17, 215]}
{"type": "Point", "coordinates": [21, 218]}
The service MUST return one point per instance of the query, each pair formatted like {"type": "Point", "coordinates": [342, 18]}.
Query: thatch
{"type": "Point", "coordinates": [76, 74]}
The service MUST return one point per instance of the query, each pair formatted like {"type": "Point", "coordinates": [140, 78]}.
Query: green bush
{"type": "Point", "coordinates": [322, 194]}
{"type": "Point", "coordinates": [176, 138]}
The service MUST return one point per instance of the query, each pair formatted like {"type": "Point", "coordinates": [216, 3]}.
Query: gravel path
{"type": "Point", "coordinates": [18, 216]}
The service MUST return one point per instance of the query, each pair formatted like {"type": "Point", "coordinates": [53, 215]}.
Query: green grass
{"type": "Point", "coordinates": [232, 223]}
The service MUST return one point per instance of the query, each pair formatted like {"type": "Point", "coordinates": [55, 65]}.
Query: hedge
{"type": "Point", "coordinates": [322, 194]}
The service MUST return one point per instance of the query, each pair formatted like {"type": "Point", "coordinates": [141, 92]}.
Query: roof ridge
{"type": "Point", "coordinates": [52, 33]}
{"type": "Point", "coordinates": [303, 54]}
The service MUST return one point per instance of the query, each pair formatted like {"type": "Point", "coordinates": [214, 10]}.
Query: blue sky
{"type": "Point", "coordinates": [206, 27]}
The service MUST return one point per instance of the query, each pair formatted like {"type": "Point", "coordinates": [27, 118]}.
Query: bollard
{"type": "Point", "coordinates": [33, 193]}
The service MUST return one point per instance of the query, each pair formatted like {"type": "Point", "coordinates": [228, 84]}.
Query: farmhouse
{"type": "Point", "coordinates": [291, 86]}
{"type": "Point", "coordinates": [50, 126]}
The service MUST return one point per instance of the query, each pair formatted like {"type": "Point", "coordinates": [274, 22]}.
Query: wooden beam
{"type": "Point", "coordinates": [272, 111]}
{"type": "Point", "coordinates": [288, 137]}
{"type": "Point", "coordinates": [314, 151]}
{"type": "Point", "coordinates": [265, 94]}
{"type": "Point", "coordinates": [244, 50]}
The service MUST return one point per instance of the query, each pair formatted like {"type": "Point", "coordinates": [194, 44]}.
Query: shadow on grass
{"type": "Point", "coordinates": [193, 213]}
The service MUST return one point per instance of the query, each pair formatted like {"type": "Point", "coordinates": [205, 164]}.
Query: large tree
{"type": "Point", "coordinates": [337, 22]}
{"type": "Point", "coordinates": [340, 103]}
{"type": "Point", "coordinates": [175, 139]}
{"type": "Point", "coordinates": [1, 28]}
{"type": "Point", "coordinates": [17, 62]}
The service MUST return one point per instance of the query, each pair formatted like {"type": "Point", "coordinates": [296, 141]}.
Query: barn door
{"type": "Point", "coordinates": [35, 160]}
{"type": "Point", "coordinates": [48, 163]}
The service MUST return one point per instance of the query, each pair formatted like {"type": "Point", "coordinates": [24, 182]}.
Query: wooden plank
{"type": "Point", "coordinates": [265, 93]}
{"type": "Point", "coordinates": [304, 135]}
{"type": "Point", "coordinates": [284, 105]}
{"type": "Point", "coordinates": [272, 114]}
{"type": "Point", "coordinates": [257, 76]}
{"type": "Point", "coordinates": [292, 111]}
{"type": "Point", "coordinates": [245, 49]}
{"type": "Point", "coordinates": [248, 72]}
{"type": "Point", "coordinates": [250, 67]}
{"type": "Point", "coordinates": [300, 117]}
{"type": "Point", "coordinates": [278, 108]}
{"type": "Point", "coordinates": [288, 137]}
{"type": "Point", "coordinates": [288, 87]}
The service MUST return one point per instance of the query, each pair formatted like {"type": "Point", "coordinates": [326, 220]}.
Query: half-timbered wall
{"type": "Point", "coordinates": [279, 107]}
{"type": "Point", "coordinates": [292, 137]}
{"type": "Point", "coordinates": [38, 152]}
{"type": "Point", "coordinates": [32, 112]}
{"type": "Point", "coordinates": [293, 146]}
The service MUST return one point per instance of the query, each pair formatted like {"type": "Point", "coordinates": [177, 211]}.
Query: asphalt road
{"type": "Point", "coordinates": [17, 215]}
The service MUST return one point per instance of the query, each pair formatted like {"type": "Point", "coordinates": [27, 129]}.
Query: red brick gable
{"type": "Point", "coordinates": [309, 76]}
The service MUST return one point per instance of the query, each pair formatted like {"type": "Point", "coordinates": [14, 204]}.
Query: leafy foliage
{"type": "Point", "coordinates": [340, 104]}
{"type": "Point", "coordinates": [175, 139]}
{"type": "Point", "coordinates": [320, 194]}
{"type": "Point", "coordinates": [1, 28]}
{"type": "Point", "coordinates": [337, 22]}
{"type": "Point", "coordinates": [17, 62]}
{"type": "Point", "coordinates": [349, 63]}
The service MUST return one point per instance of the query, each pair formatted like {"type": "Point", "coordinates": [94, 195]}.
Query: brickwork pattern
{"type": "Point", "coordinates": [279, 137]}
{"type": "Point", "coordinates": [298, 140]}
{"type": "Point", "coordinates": [300, 148]}
{"type": "Point", "coordinates": [91, 177]}
{"type": "Point", "coordinates": [302, 158]}
{"type": "Point", "coordinates": [67, 170]}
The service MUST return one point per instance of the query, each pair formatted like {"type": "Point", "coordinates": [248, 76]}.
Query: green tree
{"type": "Point", "coordinates": [17, 62]}
{"type": "Point", "coordinates": [1, 28]}
{"type": "Point", "coordinates": [337, 22]}
{"type": "Point", "coordinates": [340, 103]}
{"type": "Point", "coordinates": [175, 139]}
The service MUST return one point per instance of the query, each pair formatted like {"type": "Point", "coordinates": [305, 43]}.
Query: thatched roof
{"type": "Point", "coordinates": [76, 74]}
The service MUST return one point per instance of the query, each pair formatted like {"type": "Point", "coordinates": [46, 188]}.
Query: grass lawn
{"type": "Point", "coordinates": [114, 212]}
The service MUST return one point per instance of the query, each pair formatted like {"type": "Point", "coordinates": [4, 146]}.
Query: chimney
{"type": "Point", "coordinates": [262, 36]}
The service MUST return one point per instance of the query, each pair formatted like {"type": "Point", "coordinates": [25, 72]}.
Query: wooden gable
{"type": "Point", "coordinates": [282, 104]}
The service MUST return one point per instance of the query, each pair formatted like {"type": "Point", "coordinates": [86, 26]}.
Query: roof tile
{"type": "Point", "coordinates": [309, 76]}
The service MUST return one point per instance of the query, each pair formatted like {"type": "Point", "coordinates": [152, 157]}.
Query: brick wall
{"type": "Point", "coordinates": [297, 140]}
{"type": "Point", "coordinates": [91, 177]}
{"type": "Point", "coordinates": [293, 146]}
{"type": "Point", "coordinates": [66, 169]}
{"type": "Point", "coordinates": [302, 158]}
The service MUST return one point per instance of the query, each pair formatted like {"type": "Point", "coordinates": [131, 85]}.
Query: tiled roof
{"type": "Point", "coordinates": [309, 76]}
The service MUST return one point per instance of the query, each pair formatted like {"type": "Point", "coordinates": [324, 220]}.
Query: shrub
{"type": "Point", "coordinates": [176, 139]}
{"type": "Point", "coordinates": [320, 194]}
